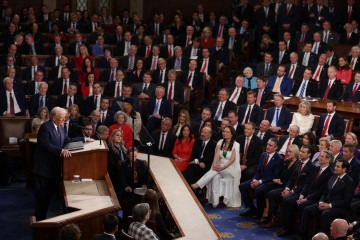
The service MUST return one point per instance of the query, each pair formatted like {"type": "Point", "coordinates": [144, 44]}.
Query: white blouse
{"type": "Point", "coordinates": [305, 123]}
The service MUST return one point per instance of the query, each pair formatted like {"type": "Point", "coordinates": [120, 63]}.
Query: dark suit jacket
{"type": "Point", "coordinates": [357, 96]}
{"type": "Point", "coordinates": [151, 28]}
{"type": "Point", "coordinates": [211, 66]}
{"type": "Point", "coordinates": [353, 40]}
{"type": "Point", "coordinates": [198, 79]}
{"type": "Point", "coordinates": [323, 74]}
{"type": "Point", "coordinates": [164, 110]}
{"type": "Point", "coordinates": [348, 92]}
{"type": "Point", "coordinates": [38, 48]}
{"type": "Point", "coordinates": [285, 86]}
{"type": "Point", "coordinates": [307, 38]}
{"type": "Point", "coordinates": [242, 95]}
{"type": "Point", "coordinates": [256, 115]}
{"type": "Point", "coordinates": [120, 48]}
{"type": "Point", "coordinates": [336, 90]}
{"type": "Point", "coordinates": [168, 145]}
{"type": "Point", "coordinates": [285, 59]}
{"type": "Point", "coordinates": [313, 59]}
{"type": "Point", "coordinates": [156, 76]}
{"type": "Point", "coordinates": [58, 86]}
{"type": "Point", "coordinates": [53, 75]}
{"type": "Point", "coordinates": [106, 74]}
{"type": "Point", "coordinates": [183, 39]}
{"type": "Point", "coordinates": [253, 153]}
{"type": "Point", "coordinates": [260, 69]}
{"type": "Point", "coordinates": [266, 95]}
{"type": "Point", "coordinates": [187, 52]}
{"type": "Point", "coordinates": [336, 127]}
{"type": "Point", "coordinates": [341, 194]}
{"type": "Point", "coordinates": [27, 72]}
{"type": "Point", "coordinates": [311, 87]}
{"type": "Point", "coordinates": [284, 117]}
{"type": "Point", "coordinates": [226, 108]}
{"type": "Point", "coordinates": [126, 174]}
{"type": "Point", "coordinates": [20, 98]}
{"type": "Point", "coordinates": [72, 47]}
{"type": "Point", "coordinates": [262, 20]}
{"type": "Point", "coordinates": [178, 91]}
{"type": "Point", "coordinates": [208, 155]}
{"type": "Point", "coordinates": [110, 88]}
{"type": "Point", "coordinates": [299, 70]}
{"type": "Point", "coordinates": [268, 134]}
{"type": "Point", "coordinates": [354, 170]}
{"type": "Point", "coordinates": [51, 61]}
{"type": "Point", "coordinates": [184, 63]}
{"type": "Point", "coordinates": [272, 170]}
{"type": "Point", "coordinates": [124, 62]}
{"type": "Point", "coordinates": [138, 88]}
{"type": "Point", "coordinates": [35, 101]}
{"type": "Point", "coordinates": [314, 189]}
{"type": "Point", "coordinates": [299, 179]}
{"type": "Point", "coordinates": [357, 65]}
{"type": "Point", "coordinates": [4, 70]}
{"type": "Point", "coordinates": [297, 141]}
{"type": "Point", "coordinates": [222, 55]}
{"type": "Point", "coordinates": [78, 100]}
{"type": "Point", "coordinates": [90, 105]}
{"type": "Point", "coordinates": [49, 147]}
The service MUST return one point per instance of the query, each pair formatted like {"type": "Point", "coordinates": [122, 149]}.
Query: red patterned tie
{"type": "Point", "coordinates": [204, 66]}
{"type": "Point", "coordinates": [147, 52]}
{"type": "Point", "coordinates": [170, 52]}
{"type": "Point", "coordinates": [327, 91]}
{"type": "Point", "coordinates": [318, 73]}
{"type": "Point", "coordinates": [118, 90]}
{"type": "Point", "coordinates": [245, 151]}
{"type": "Point", "coordinates": [170, 91]}
{"type": "Point", "coordinates": [354, 89]}
{"type": "Point", "coordinates": [326, 126]}
{"type": "Point", "coordinates": [235, 95]}
{"type": "Point", "coordinates": [266, 161]}
{"type": "Point", "coordinates": [65, 87]}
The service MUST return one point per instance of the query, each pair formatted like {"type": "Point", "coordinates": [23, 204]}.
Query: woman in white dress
{"type": "Point", "coordinates": [303, 118]}
{"type": "Point", "coordinates": [226, 165]}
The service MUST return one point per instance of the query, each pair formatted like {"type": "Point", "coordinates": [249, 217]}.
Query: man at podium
{"type": "Point", "coordinates": [48, 157]}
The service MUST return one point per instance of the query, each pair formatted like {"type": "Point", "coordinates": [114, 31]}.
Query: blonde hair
{"type": "Point", "coordinates": [307, 105]}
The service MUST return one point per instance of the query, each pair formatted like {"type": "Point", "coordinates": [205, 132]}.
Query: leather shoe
{"type": "Point", "coordinates": [284, 233]}
{"type": "Point", "coordinates": [264, 220]}
{"type": "Point", "coordinates": [248, 212]}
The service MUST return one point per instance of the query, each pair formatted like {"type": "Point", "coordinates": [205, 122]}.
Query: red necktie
{"type": "Point", "coordinates": [291, 71]}
{"type": "Point", "coordinates": [188, 80]}
{"type": "Point", "coordinates": [112, 75]}
{"type": "Point", "coordinates": [327, 91]}
{"type": "Point", "coordinates": [220, 31]}
{"type": "Point", "coordinates": [118, 90]}
{"type": "Point", "coordinates": [148, 52]}
{"type": "Point", "coordinates": [302, 37]}
{"type": "Point", "coordinates": [286, 153]}
{"type": "Point", "coordinates": [235, 95]}
{"type": "Point", "coordinates": [12, 105]}
{"type": "Point", "coordinates": [266, 161]}
{"type": "Point", "coordinates": [258, 97]}
{"type": "Point", "coordinates": [170, 91]}
{"type": "Point", "coordinates": [245, 151]}
{"type": "Point", "coordinates": [204, 66]}
{"type": "Point", "coordinates": [248, 115]}
{"type": "Point", "coordinates": [170, 52]}
{"type": "Point", "coordinates": [317, 73]}
{"type": "Point", "coordinates": [326, 126]}
{"type": "Point", "coordinates": [354, 89]}
{"type": "Point", "coordinates": [65, 87]}
{"type": "Point", "coordinates": [188, 42]}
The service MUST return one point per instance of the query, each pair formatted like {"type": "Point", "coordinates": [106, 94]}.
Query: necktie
{"type": "Point", "coordinates": [326, 126]}
{"type": "Point", "coordinates": [288, 9]}
{"type": "Point", "coordinates": [286, 152]}
{"type": "Point", "coordinates": [327, 90]}
{"type": "Point", "coordinates": [103, 117]}
{"type": "Point", "coordinates": [280, 57]}
{"type": "Point", "coordinates": [131, 63]}
{"type": "Point", "coordinates": [261, 136]}
{"type": "Point", "coordinates": [36, 87]}
{"type": "Point", "coordinates": [188, 80]}
{"type": "Point", "coordinates": [318, 174]}
{"type": "Point", "coordinates": [277, 116]}
{"type": "Point", "coordinates": [161, 76]}
{"type": "Point", "coordinates": [302, 37]}
{"type": "Point", "coordinates": [177, 64]}
{"type": "Point", "coordinates": [298, 174]}
{"type": "Point", "coordinates": [153, 65]}
{"type": "Point", "coordinates": [354, 89]}
{"type": "Point", "coordinates": [249, 83]}
{"type": "Point", "coordinates": [65, 127]}
{"type": "Point", "coordinates": [162, 142]}
{"type": "Point", "coordinates": [70, 101]}
{"type": "Point", "coordinates": [65, 87]}
{"type": "Point", "coordinates": [156, 29]}
{"type": "Point", "coordinates": [127, 47]}
{"type": "Point", "coordinates": [318, 73]}
{"type": "Point", "coordinates": [245, 151]}
{"type": "Point", "coordinates": [266, 12]}
{"type": "Point", "coordinates": [170, 91]}
{"type": "Point", "coordinates": [277, 85]}
{"type": "Point", "coordinates": [156, 109]}
{"type": "Point", "coordinates": [170, 52]}
{"type": "Point", "coordinates": [302, 91]}
{"type": "Point", "coordinates": [59, 134]}
{"type": "Point", "coordinates": [12, 104]}
{"type": "Point", "coordinates": [235, 95]}
{"type": "Point", "coordinates": [348, 36]}
{"type": "Point", "coordinates": [352, 65]}
{"type": "Point", "coordinates": [145, 88]}
{"type": "Point", "coordinates": [202, 149]}
{"type": "Point", "coordinates": [248, 115]}
{"type": "Point", "coordinates": [266, 70]}
{"type": "Point", "coordinates": [304, 62]}
{"type": "Point", "coordinates": [112, 75]}
{"type": "Point", "coordinates": [219, 112]}
{"type": "Point", "coordinates": [336, 181]}
{"type": "Point", "coordinates": [203, 69]}
{"type": "Point", "coordinates": [258, 98]}
{"type": "Point", "coordinates": [118, 91]}
{"type": "Point", "coordinates": [220, 31]}
{"type": "Point", "coordinates": [326, 37]}
{"type": "Point", "coordinates": [188, 41]}
{"type": "Point", "coordinates": [41, 101]}
{"type": "Point", "coordinates": [33, 73]}
{"type": "Point", "coordinates": [96, 101]}
{"type": "Point", "coordinates": [231, 43]}
{"type": "Point", "coordinates": [148, 52]}
{"type": "Point", "coordinates": [266, 161]}
{"type": "Point", "coordinates": [291, 71]}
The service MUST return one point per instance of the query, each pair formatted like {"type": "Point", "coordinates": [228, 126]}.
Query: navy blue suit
{"type": "Point", "coordinates": [284, 117]}
{"type": "Point", "coordinates": [20, 98]}
{"type": "Point", "coordinates": [256, 115]}
{"type": "Point", "coordinates": [90, 104]}
{"type": "Point", "coordinates": [335, 92]}
{"type": "Point", "coordinates": [285, 86]}
{"type": "Point", "coordinates": [348, 92]}
{"type": "Point", "coordinates": [35, 102]}
{"type": "Point", "coordinates": [354, 170]}
{"type": "Point", "coordinates": [336, 127]}
{"type": "Point", "coordinates": [266, 174]}
{"type": "Point", "coordinates": [164, 111]}
{"type": "Point", "coordinates": [48, 164]}
{"type": "Point", "coordinates": [27, 72]}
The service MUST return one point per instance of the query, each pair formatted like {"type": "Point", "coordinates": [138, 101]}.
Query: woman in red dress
{"type": "Point", "coordinates": [86, 69]}
{"type": "Point", "coordinates": [81, 55]}
{"type": "Point", "coordinates": [206, 40]}
{"type": "Point", "coordinates": [120, 119]}
{"type": "Point", "coordinates": [344, 72]}
{"type": "Point", "coordinates": [183, 148]}
{"type": "Point", "coordinates": [87, 85]}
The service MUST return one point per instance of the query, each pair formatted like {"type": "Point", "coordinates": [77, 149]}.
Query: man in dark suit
{"type": "Point", "coordinates": [265, 20]}
{"type": "Point", "coordinates": [109, 74]}
{"type": "Point", "coordinates": [262, 94]}
{"type": "Point", "coordinates": [174, 89]}
{"type": "Point", "coordinates": [157, 108]}
{"type": "Point", "coordinates": [294, 69]}
{"type": "Point", "coordinates": [244, 11]}
{"type": "Point", "coordinates": [280, 83]}
{"type": "Point", "coordinates": [145, 89]}
{"type": "Point", "coordinates": [31, 47]}
{"type": "Point", "coordinates": [306, 86]}
{"type": "Point", "coordinates": [238, 93]}
{"type": "Point", "coordinates": [304, 34]}
{"type": "Point", "coordinates": [202, 156]}
{"type": "Point", "coordinates": [249, 151]}
{"type": "Point", "coordinates": [30, 72]}
{"type": "Point", "coordinates": [250, 112]}
{"type": "Point", "coordinates": [123, 48]}
{"type": "Point", "coordinates": [266, 68]}
{"type": "Point", "coordinates": [198, 123]}
{"type": "Point", "coordinates": [56, 72]}
{"type": "Point", "coordinates": [288, 18]}
{"type": "Point", "coordinates": [298, 180]}
{"type": "Point", "coordinates": [349, 37]}
{"type": "Point", "coordinates": [269, 168]}
{"type": "Point", "coordinates": [307, 57]}
{"type": "Point", "coordinates": [114, 88]}
{"type": "Point", "coordinates": [128, 63]}
{"type": "Point", "coordinates": [221, 107]}
{"type": "Point", "coordinates": [291, 46]}
{"type": "Point", "coordinates": [51, 140]}
{"type": "Point", "coordinates": [186, 40]}
{"type": "Point", "coordinates": [318, 45]}
{"type": "Point", "coordinates": [164, 139]}
{"type": "Point", "coordinates": [13, 102]}
{"type": "Point", "coordinates": [74, 46]}
{"type": "Point", "coordinates": [70, 98]}
{"type": "Point", "coordinates": [178, 61]}
{"type": "Point", "coordinates": [354, 170]}
{"type": "Point", "coordinates": [110, 225]}
{"type": "Point", "coordinates": [93, 102]}
{"type": "Point", "coordinates": [287, 140]}
{"type": "Point", "coordinates": [352, 89]}
{"type": "Point", "coordinates": [160, 75]}
{"type": "Point", "coordinates": [74, 25]}
{"type": "Point", "coordinates": [61, 85]}
{"type": "Point", "coordinates": [327, 35]}
{"type": "Point", "coordinates": [282, 55]}
{"type": "Point", "coordinates": [320, 69]}
{"type": "Point", "coordinates": [354, 59]}
{"type": "Point", "coordinates": [331, 123]}
{"type": "Point", "coordinates": [193, 51]}
{"type": "Point", "coordinates": [220, 53]}
{"type": "Point", "coordinates": [331, 89]}
{"type": "Point", "coordinates": [279, 116]}
{"type": "Point", "coordinates": [107, 116]}
{"type": "Point", "coordinates": [40, 99]}
{"type": "Point", "coordinates": [155, 27]}
{"type": "Point", "coordinates": [235, 43]}
{"type": "Point", "coordinates": [55, 59]}
{"type": "Point", "coordinates": [207, 66]}
{"type": "Point", "coordinates": [334, 202]}
{"type": "Point", "coordinates": [264, 133]}
{"type": "Point", "coordinates": [126, 93]}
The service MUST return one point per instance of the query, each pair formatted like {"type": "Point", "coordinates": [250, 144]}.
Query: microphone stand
{"type": "Point", "coordinates": [133, 150]}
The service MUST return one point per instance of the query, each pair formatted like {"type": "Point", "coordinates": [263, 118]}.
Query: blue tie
{"type": "Point", "coordinates": [302, 89]}
{"type": "Point", "coordinates": [277, 116]}
{"type": "Point", "coordinates": [41, 101]}
{"type": "Point", "coordinates": [156, 107]}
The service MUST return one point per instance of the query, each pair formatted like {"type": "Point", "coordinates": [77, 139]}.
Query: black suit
{"type": "Point", "coordinates": [242, 95]}
{"type": "Point", "coordinates": [178, 91]}
{"type": "Point", "coordinates": [28, 72]}
{"type": "Point", "coordinates": [266, 95]}
{"type": "Point", "coordinates": [323, 73]}
{"type": "Point", "coordinates": [310, 90]}
{"type": "Point", "coordinates": [164, 111]}
{"type": "Point", "coordinates": [59, 85]}
{"type": "Point", "coordinates": [20, 98]}
{"type": "Point", "coordinates": [285, 59]}
{"type": "Point", "coordinates": [264, 136]}
{"type": "Point", "coordinates": [198, 79]}
{"type": "Point", "coordinates": [313, 59]}
{"type": "Point", "coordinates": [206, 156]}
{"type": "Point", "coordinates": [51, 61]}
{"type": "Point", "coordinates": [336, 90]}
{"type": "Point", "coordinates": [106, 75]}
{"type": "Point", "coordinates": [297, 141]}
{"type": "Point", "coordinates": [261, 20]}
{"type": "Point", "coordinates": [156, 76]}
{"type": "Point", "coordinates": [35, 102]}
{"type": "Point", "coordinates": [298, 72]}
{"type": "Point", "coordinates": [90, 103]}
{"type": "Point", "coordinates": [256, 115]}
{"type": "Point", "coordinates": [110, 88]}
{"type": "Point", "coordinates": [348, 94]}
{"type": "Point", "coordinates": [357, 64]}
{"type": "Point", "coordinates": [184, 63]}
{"type": "Point", "coordinates": [38, 49]}
{"type": "Point", "coordinates": [228, 106]}
{"type": "Point", "coordinates": [124, 62]}
{"type": "Point", "coordinates": [337, 194]}
{"type": "Point", "coordinates": [139, 87]}
{"type": "Point", "coordinates": [120, 48]}
{"type": "Point", "coordinates": [353, 40]}
{"type": "Point", "coordinates": [54, 73]}
{"type": "Point", "coordinates": [188, 51]}
{"type": "Point", "coordinates": [336, 126]}
{"type": "Point", "coordinates": [78, 100]}
{"type": "Point", "coordinates": [252, 156]}
{"type": "Point", "coordinates": [168, 145]}
{"type": "Point", "coordinates": [260, 69]}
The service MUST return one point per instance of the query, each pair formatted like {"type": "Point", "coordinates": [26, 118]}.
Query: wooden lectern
{"type": "Point", "coordinates": [87, 201]}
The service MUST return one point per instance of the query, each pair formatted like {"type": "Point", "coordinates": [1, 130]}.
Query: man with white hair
{"type": "Point", "coordinates": [353, 59]}
{"type": "Point", "coordinates": [12, 100]}
{"type": "Point", "coordinates": [48, 159]}
{"type": "Point", "coordinates": [41, 99]}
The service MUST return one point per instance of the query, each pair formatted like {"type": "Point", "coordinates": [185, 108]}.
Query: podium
{"type": "Point", "coordinates": [87, 202]}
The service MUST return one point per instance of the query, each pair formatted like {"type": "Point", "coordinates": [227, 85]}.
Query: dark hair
{"type": "Point", "coordinates": [84, 66]}
{"type": "Point", "coordinates": [308, 147]}
{"type": "Point", "coordinates": [107, 48]}
{"type": "Point", "coordinates": [312, 139]}
{"type": "Point", "coordinates": [233, 137]}
{"type": "Point", "coordinates": [345, 164]}
{"type": "Point", "coordinates": [87, 78]}
{"type": "Point", "coordinates": [351, 147]}
{"type": "Point", "coordinates": [211, 121]}
{"type": "Point", "coordinates": [182, 129]}
{"type": "Point", "coordinates": [110, 223]}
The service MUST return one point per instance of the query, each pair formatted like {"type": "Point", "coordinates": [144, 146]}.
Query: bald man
{"type": "Point", "coordinates": [320, 236]}
{"type": "Point", "coordinates": [338, 229]}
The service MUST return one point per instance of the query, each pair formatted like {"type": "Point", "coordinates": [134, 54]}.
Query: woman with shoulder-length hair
{"type": "Point", "coordinates": [249, 79]}
{"type": "Point", "coordinates": [183, 147]}
{"type": "Point", "coordinates": [184, 118]}
{"type": "Point", "coordinates": [120, 119]}
{"type": "Point", "coordinates": [226, 165]}
{"type": "Point", "coordinates": [303, 118]}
